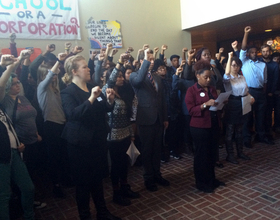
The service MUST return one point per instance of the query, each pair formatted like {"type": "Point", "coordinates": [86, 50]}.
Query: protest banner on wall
{"type": "Point", "coordinates": [40, 19]}
{"type": "Point", "coordinates": [102, 32]}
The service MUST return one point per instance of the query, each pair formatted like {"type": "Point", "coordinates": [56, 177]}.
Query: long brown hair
{"type": "Point", "coordinates": [42, 73]}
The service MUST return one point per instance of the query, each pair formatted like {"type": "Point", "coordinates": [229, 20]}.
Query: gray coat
{"type": "Point", "coordinates": [151, 103]}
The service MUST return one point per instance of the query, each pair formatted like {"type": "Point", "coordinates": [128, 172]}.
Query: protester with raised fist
{"type": "Point", "coordinates": [86, 131]}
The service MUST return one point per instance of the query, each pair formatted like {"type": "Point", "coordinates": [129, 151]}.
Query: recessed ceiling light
{"type": "Point", "coordinates": [268, 30]}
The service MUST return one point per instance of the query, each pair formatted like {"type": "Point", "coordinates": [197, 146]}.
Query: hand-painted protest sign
{"type": "Point", "coordinates": [103, 32]}
{"type": "Point", "coordinates": [40, 19]}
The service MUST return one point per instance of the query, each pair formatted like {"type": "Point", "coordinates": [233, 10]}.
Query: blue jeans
{"type": "Point", "coordinates": [16, 171]}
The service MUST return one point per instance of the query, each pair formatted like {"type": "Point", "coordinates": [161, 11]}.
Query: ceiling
{"type": "Point", "coordinates": [233, 28]}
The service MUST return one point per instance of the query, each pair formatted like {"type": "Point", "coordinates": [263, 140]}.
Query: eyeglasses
{"type": "Point", "coordinates": [161, 68]}
{"type": "Point", "coordinates": [16, 83]}
{"type": "Point", "coordinates": [206, 54]}
{"type": "Point", "coordinates": [234, 65]}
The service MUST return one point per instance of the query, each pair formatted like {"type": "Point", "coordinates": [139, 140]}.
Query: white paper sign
{"type": "Point", "coordinates": [246, 106]}
{"type": "Point", "coordinates": [38, 19]}
{"type": "Point", "coordinates": [220, 100]}
{"type": "Point", "coordinates": [133, 153]}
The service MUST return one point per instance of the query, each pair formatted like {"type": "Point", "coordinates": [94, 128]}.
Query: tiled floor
{"type": "Point", "coordinates": [252, 192]}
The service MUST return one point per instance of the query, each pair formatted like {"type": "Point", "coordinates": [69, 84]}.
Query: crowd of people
{"type": "Point", "coordinates": [79, 111]}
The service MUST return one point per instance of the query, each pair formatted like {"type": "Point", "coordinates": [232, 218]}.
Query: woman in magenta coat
{"type": "Point", "coordinates": [204, 127]}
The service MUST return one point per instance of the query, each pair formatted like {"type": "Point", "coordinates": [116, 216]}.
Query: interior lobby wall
{"type": "Point", "coordinates": [195, 13]}
{"type": "Point", "coordinates": [153, 22]}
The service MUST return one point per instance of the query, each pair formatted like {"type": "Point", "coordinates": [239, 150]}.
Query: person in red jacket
{"type": "Point", "coordinates": [204, 126]}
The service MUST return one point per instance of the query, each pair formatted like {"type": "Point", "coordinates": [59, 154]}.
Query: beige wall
{"type": "Point", "coordinates": [155, 22]}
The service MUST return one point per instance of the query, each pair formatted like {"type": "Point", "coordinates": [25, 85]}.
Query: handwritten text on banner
{"type": "Point", "coordinates": [40, 19]}
{"type": "Point", "coordinates": [102, 32]}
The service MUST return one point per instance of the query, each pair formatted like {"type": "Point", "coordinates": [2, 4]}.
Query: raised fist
{"type": "Point", "coordinates": [164, 47]}
{"type": "Point", "coordinates": [183, 63]}
{"type": "Point", "coordinates": [184, 50]}
{"type": "Point", "coordinates": [247, 29]}
{"type": "Point", "coordinates": [62, 56]}
{"type": "Point", "coordinates": [24, 54]}
{"type": "Point", "coordinates": [93, 55]}
{"type": "Point", "coordinates": [217, 55]}
{"type": "Point", "coordinates": [126, 63]}
{"type": "Point", "coordinates": [12, 37]}
{"type": "Point", "coordinates": [95, 91]}
{"type": "Point", "coordinates": [124, 57]}
{"type": "Point", "coordinates": [31, 50]}
{"type": "Point", "coordinates": [179, 70]}
{"type": "Point", "coordinates": [146, 52]}
{"type": "Point", "coordinates": [50, 48]}
{"type": "Point", "coordinates": [130, 49]}
{"type": "Point", "coordinates": [68, 45]}
{"type": "Point", "coordinates": [110, 46]}
{"type": "Point", "coordinates": [77, 49]}
{"type": "Point", "coordinates": [114, 51]}
{"type": "Point", "coordinates": [156, 49]}
{"type": "Point", "coordinates": [7, 59]}
{"type": "Point", "coordinates": [234, 44]}
{"type": "Point", "coordinates": [191, 53]}
{"type": "Point", "coordinates": [145, 46]}
{"type": "Point", "coordinates": [221, 50]}
{"type": "Point", "coordinates": [110, 93]}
